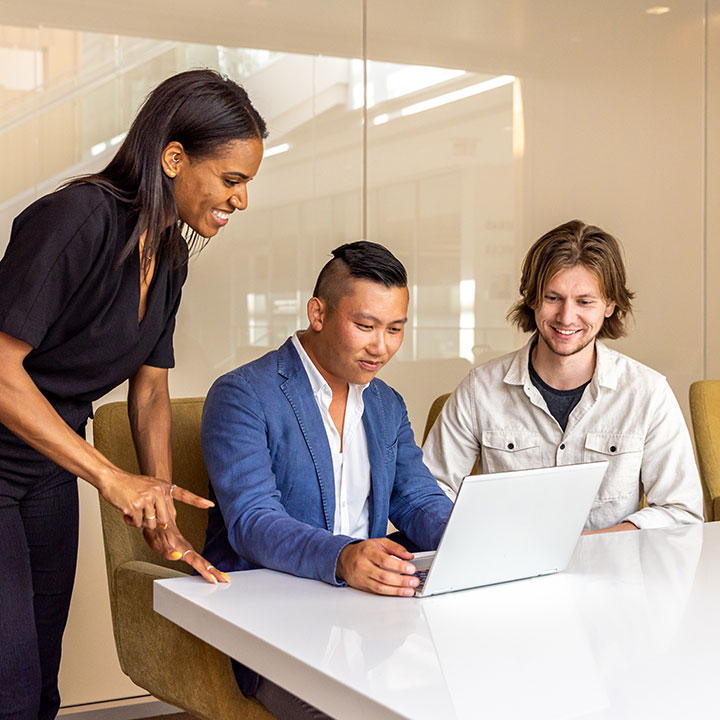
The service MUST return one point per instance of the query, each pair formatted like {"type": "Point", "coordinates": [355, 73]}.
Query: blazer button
{"type": "Point", "coordinates": [613, 448]}
{"type": "Point", "coordinates": [511, 446]}
{"type": "Point", "coordinates": [562, 446]}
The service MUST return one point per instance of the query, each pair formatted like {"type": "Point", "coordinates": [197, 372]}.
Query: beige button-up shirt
{"type": "Point", "coordinates": [627, 415]}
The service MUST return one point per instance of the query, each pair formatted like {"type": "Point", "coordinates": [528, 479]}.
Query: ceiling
{"type": "Point", "coordinates": [494, 36]}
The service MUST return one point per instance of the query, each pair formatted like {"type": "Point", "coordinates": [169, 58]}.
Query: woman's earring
{"type": "Point", "coordinates": [170, 171]}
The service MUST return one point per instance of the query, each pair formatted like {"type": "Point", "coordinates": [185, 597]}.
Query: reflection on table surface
{"type": "Point", "coordinates": [626, 632]}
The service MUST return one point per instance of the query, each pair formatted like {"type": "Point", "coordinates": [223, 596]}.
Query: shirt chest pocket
{"type": "Point", "coordinates": [510, 450]}
{"type": "Point", "coordinates": [624, 453]}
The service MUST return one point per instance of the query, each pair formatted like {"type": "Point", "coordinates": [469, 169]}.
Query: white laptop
{"type": "Point", "coordinates": [510, 525]}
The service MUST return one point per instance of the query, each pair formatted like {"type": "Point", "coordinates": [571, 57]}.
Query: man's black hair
{"type": "Point", "coordinates": [361, 260]}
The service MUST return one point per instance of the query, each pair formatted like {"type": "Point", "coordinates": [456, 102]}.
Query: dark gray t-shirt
{"type": "Point", "coordinates": [560, 402]}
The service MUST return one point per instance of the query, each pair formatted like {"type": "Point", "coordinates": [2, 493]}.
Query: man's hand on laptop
{"type": "Point", "coordinates": [377, 565]}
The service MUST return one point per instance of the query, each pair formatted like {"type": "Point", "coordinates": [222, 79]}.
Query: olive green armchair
{"type": "Point", "coordinates": [433, 412]}
{"type": "Point", "coordinates": [161, 657]}
{"type": "Point", "coordinates": [435, 409]}
{"type": "Point", "coordinates": [705, 414]}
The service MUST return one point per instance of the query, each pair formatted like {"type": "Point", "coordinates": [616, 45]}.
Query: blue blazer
{"type": "Point", "coordinates": [271, 472]}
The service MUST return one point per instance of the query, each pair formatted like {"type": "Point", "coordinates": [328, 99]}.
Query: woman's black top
{"type": "Point", "coordinates": [62, 292]}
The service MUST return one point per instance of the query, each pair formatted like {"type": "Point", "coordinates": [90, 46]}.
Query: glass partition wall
{"type": "Point", "coordinates": [453, 134]}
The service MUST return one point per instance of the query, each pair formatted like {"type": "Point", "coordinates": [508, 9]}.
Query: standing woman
{"type": "Point", "coordinates": [89, 288]}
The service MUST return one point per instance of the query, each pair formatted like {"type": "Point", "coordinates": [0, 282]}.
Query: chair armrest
{"type": "Point", "coordinates": [150, 570]}
{"type": "Point", "coordinates": [166, 660]}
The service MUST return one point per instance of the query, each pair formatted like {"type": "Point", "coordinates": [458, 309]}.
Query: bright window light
{"type": "Point", "coordinates": [466, 335]}
{"type": "Point", "coordinates": [97, 149]}
{"type": "Point", "coordinates": [658, 10]}
{"type": "Point", "coordinates": [381, 119]}
{"type": "Point", "coordinates": [389, 81]}
{"type": "Point", "coordinates": [117, 139]}
{"type": "Point", "coordinates": [461, 94]}
{"type": "Point", "coordinates": [20, 69]}
{"type": "Point", "coordinates": [467, 298]}
{"type": "Point", "coordinates": [414, 78]}
{"type": "Point", "coordinates": [276, 150]}
{"type": "Point", "coordinates": [518, 126]}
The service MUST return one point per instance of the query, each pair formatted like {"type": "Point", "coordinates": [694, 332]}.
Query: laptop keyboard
{"type": "Point", "coordinates": [422, 576]}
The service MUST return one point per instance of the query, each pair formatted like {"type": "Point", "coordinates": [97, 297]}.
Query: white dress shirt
{"type": "Point", "coordinates": [627, 415]}
{"type": "Point", "coordinates": [351, 466]}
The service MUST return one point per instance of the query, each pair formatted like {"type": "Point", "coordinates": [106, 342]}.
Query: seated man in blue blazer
{"type": "Point", "coordinates": [309, 454]}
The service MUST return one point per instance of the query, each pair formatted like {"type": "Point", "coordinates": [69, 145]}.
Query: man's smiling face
{"type": "Point", "coordinates": [572, 311]}
{"type": "Point", "coordinates": [361, 333]}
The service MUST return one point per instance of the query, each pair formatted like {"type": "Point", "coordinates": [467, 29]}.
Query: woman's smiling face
{"type": "Point", "coordinates": [207, 191]}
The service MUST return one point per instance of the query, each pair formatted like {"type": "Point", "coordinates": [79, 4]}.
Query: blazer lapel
{"type": "Point", "coordinates": [298, 391]}
{"type": "Point", "coordinates": [380, 485]}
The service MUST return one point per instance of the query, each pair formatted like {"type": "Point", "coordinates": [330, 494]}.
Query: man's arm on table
{"type": "Point", "coordinates": [620, 527]}
{"type": "Point", "coordinates": [234, 442]}
{"type": "Point", "coordinates": [669, 475]}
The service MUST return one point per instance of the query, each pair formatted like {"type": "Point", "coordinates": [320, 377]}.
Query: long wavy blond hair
{"type": "Point", "coordinates": [570, 244]}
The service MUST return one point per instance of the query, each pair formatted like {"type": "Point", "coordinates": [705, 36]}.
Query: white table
{"type": "Point", "coordinates": [630, 630]}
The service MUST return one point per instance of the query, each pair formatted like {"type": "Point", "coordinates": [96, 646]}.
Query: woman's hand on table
{"type": "Point", "coordinates": [170, 543]}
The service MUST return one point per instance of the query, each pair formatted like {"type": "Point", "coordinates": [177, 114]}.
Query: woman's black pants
{"type": "Point", "coordinates": [38, 555]}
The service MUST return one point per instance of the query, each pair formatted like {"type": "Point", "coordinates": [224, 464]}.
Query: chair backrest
{"type": "Point", "coordinates": [705, 414]}
{"type": "Point", "coordinates": [435, 408]}
{"type": "Point", "coordinates": [112, 437]}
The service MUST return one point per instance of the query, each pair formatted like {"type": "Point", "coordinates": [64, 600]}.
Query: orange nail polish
{"type": "Point", "coordinates": [176, 555]}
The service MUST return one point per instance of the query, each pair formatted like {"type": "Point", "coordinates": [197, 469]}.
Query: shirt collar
{"type": "Point", "coordinates": [317, 381]}
{"type": "Point", "coordinates": [605, 374]}
{"type": "Point", "coordinates": [606, 370]}
{"type": "Point", "coordinates": [519, 372]}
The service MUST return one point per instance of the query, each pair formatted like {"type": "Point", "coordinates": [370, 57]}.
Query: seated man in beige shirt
{"type": "Point", "coordinates": [567, 398]}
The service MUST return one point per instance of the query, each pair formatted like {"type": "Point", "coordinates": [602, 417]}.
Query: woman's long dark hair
{"type": "Point", "coordinates": [200, 109]}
